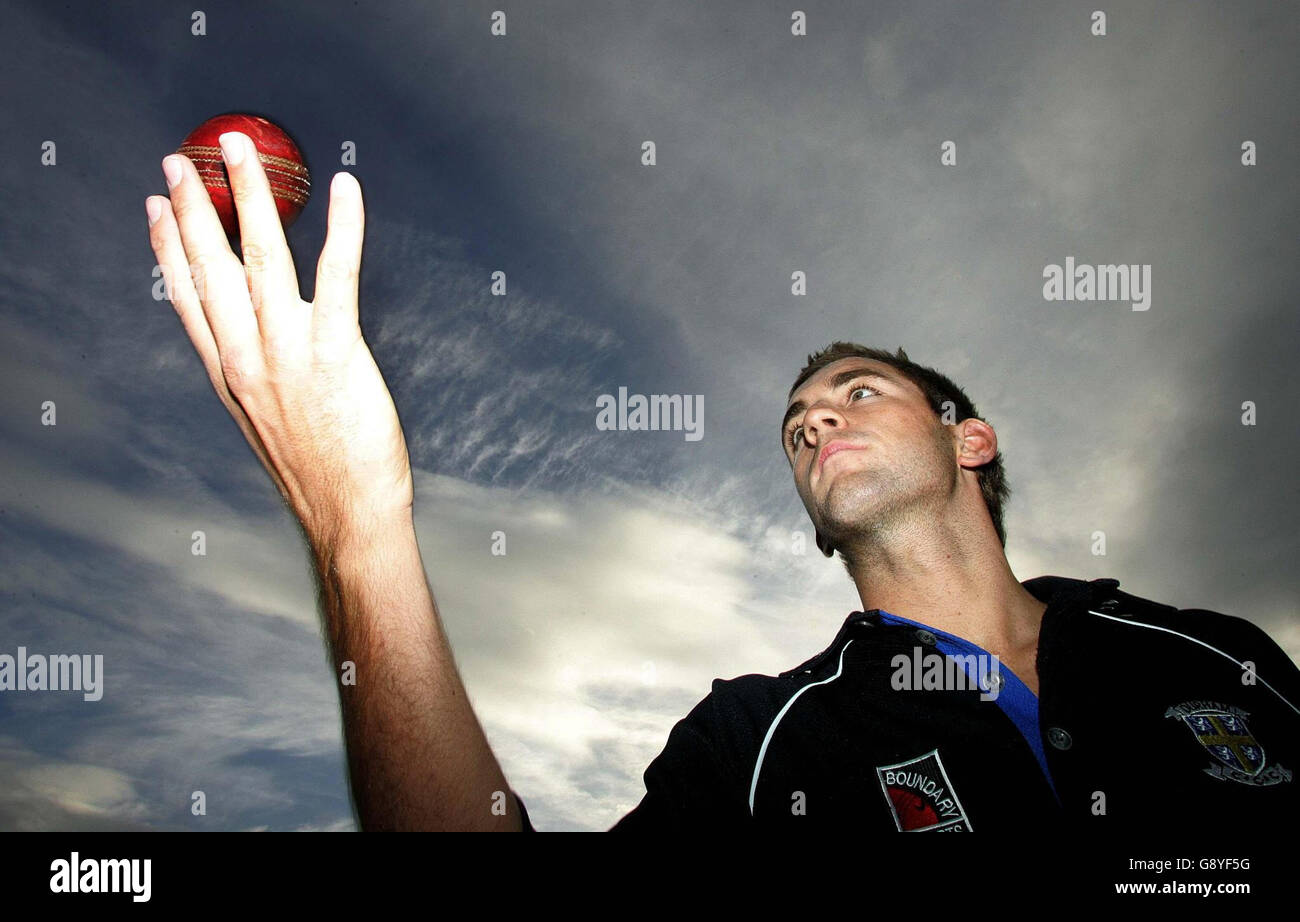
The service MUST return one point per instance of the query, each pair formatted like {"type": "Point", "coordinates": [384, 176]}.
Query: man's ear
{"type": "Point", "coordinates": [979, 443]}
{"type": "Point", "coordinates": [825, 546]}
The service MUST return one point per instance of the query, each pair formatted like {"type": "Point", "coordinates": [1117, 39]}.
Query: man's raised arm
{"type": "Point", "coordinates": [417, 756]}
{"type": "Point", "coordinates": [303, 387]}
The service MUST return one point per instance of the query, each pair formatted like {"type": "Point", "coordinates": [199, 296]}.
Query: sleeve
{"type": "Point", "coordinates": [692, 783]}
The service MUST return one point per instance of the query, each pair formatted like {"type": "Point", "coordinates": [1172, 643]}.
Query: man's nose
{"type": "Point", "coordinates": [821, 419]}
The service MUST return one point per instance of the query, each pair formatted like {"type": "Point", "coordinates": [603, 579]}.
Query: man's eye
{"type": "Point", "coordinates": [862, 387]}
{"type": "Point", "coordinates": [794, 437]}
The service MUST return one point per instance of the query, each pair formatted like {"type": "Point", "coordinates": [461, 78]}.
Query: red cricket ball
{"type": "Point", "coordinates": [280, 157]}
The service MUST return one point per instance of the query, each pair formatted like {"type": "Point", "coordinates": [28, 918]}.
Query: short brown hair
{"type": "Point", "coordinates": [939, 390]}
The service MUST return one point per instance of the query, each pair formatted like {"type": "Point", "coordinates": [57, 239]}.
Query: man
{"type": "Point", "coordinates": [1073, 701]}
{"type": "Point", "coordinates": [1070, 700]}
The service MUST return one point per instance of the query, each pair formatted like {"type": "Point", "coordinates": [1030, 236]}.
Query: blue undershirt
{"type": "Point", "coordinates": [1015, 698]}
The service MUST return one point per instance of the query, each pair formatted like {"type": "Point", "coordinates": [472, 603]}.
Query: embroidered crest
{"type": "Point", "coordinates": [921, 796]}
{"type": "Point", "coordinates": [1222, 730]}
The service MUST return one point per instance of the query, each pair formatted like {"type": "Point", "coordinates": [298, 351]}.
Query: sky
{"type": "Point", "coordinates": [639, 565]}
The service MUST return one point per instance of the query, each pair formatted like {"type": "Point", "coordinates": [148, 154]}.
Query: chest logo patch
{"type": "Point", "coordinates": [1222, 730]}
{"type": "Point", "coordinates": [921, 797]}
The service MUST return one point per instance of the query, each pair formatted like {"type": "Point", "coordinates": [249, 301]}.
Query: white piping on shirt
{"type": "Point", "coordinates": [758, 766]}
{"type": "Point", "coordinates": [1156, 627]}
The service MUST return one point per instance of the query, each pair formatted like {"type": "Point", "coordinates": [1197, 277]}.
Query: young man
{"type": "Point", "coordinates": [958, 699]}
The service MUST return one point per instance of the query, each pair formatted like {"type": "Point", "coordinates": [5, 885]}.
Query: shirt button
{"type": "Point", "coordinates": [1059, 738]}
{"type": "Point", "coordinates": [926, 638]}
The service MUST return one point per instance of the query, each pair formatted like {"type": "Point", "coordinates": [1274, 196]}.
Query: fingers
{"type": "Point", "coordinates": [196, 239]}
{"type": "Point", "coordinates": [339, 267]}
{"type": "Point", "coordinates": [165, 237]}
{"type": "Point", "coordinates": [166, 241]}
{"type": "Point", "coordinates": [268, 265]}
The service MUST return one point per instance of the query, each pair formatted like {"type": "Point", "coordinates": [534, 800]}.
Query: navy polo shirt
{"type": "Point", "coordinates": [1147, 716]}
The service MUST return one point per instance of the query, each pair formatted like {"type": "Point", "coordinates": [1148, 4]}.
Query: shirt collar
{"type": "Point", "coordinates": [1066, 598]}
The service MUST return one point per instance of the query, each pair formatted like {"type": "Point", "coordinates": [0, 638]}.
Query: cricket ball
{"type": "Point", "coordinates": [280, 158]}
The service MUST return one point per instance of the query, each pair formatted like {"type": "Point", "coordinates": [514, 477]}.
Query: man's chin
{"type": "Point", "coordinates": [844, 493]}
{"type": "Point", "coordinates": [845, 512]}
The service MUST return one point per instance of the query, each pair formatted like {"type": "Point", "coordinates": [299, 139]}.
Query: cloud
{"type": "Point", "coordinates": [603, 624]}
{"type": "Point", "coordinates": [46, 795]}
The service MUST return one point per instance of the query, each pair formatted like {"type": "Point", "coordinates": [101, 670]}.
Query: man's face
{"type": "Point", "coordinates": [865, 446]}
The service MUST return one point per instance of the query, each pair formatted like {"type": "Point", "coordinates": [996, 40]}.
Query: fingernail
{"type": "Point", "coordinates": [232, 147]}
{"type": "Point", "coordinates": [172, 170]}
{"type": "Point", "coordinates": [153, 208]}
{"type": "Point", "coordinates": [342, 179]}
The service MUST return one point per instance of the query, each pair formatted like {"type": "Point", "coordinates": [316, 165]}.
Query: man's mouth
{"type": "Point", "coordinates": [833, 449]}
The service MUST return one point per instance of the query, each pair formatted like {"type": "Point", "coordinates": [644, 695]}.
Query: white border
{"type": "Point", "coordinates": [762, 752]}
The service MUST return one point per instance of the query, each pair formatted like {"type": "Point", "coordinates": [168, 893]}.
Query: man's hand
{"type": "Point", "coordinates": [297, 376]}
{"type": "Point", "coordinates": [302, 385]}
